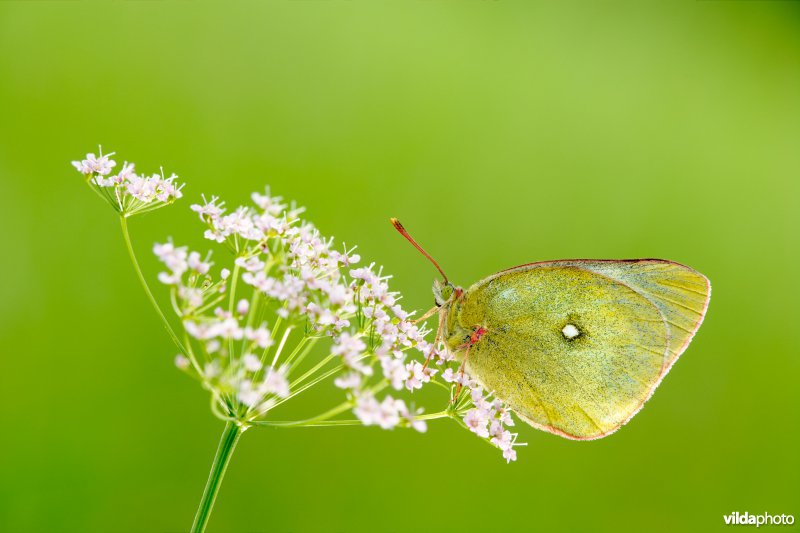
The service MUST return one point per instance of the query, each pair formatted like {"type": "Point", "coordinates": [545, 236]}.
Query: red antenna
{"type": "Point", "coordinates": [399, 227]}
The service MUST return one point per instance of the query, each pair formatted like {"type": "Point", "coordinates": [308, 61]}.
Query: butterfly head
{"type": "Point", "coordinates": [442, 292]}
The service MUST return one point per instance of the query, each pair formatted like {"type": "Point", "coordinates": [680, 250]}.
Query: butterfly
{"type": "Point", "coordinates": [574, 346]}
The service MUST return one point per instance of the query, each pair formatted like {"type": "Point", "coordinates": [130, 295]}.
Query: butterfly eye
{"type": "Point", "coordinates": [442, 292]}
{"type": "Point", "coordinates": [447, 292]}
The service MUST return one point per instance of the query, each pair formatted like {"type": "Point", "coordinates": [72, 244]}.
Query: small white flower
{"type": "Point", "coordinates": [251, 264]}
{"type": "Point", "coordinates": [229, 329]}
{"type": "Point", "coordinates": [275, 382]}
{"type": "Point", "coordinates": [142, 189]}
{"type": "Point", "coordinates": [509, 455]}
{"type": "Point", "coordinates": [417, 425]}
{"type": "Point", "coordinates": [351, 380]}
{"type": "Point", "coordinates": [351, 349]}
{"type": "Point", "coordinates": [418, 375]}
{"type": "Point", "coordinates": [346, 258]}
{"type": "Point", "coordinates": [248, 394]}
{"type": "Point", "coordinates": [448, 375]}
{"type": "Point", "coordinates": [195, 263]}
{"type": "Point", "coordinates": [210, 209]}
{"type": "Point", "coordinates": [261, 336]}
{"type": "Point", "coordinates": [269, 204]}
{"type": "Point", "coordinates": [200, 331]}
{"type": "Point", "coordinates": [169, 278]}
{"type": "Point", "coordinates": [95, 164]}
{"type": "Point", "coordinates": [367, 409]}
{"type": "Point", "coordinates": [211, 370]}
{"type": "Point", "coordinates": [251, 362]}
{"type": "Point", "coordinates": [181, 362]}
{"type": "Point", "coordinates": [462, 378]}
{"type": "Point", "coordinates": [476, 421]}
{"type": "Point", "coordinates": [215, 235]}
{"type": "Point", "coordinates": [395, 371]}
{"type": "Point", "coordinates": [192, 296]}
{"type": "Point", "coordinates": [481, 402]}
{"type": "Point", "coordinates": [126, 174]}
{"type": "Point", "coordinates": [213, 346]}
{"type": "Point", "coordinates": [388, 415]}
{"type": "Point", "coordinates": [413, 422]}
{"type": "Point", "coordinates": [363, 274]}
{"type": "Point", "coordinates": [166, 190]}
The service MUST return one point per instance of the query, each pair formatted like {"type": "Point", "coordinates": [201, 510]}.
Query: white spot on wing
{"type": "Point", "coordinates": [570, 331]}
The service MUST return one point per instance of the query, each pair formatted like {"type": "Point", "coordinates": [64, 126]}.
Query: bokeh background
{"type": "Point", "coordinates": [500, 132]}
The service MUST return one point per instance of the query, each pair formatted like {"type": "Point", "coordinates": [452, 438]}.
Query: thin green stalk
{"type": "Point", "coordinates": [281, 345]}
{"type": "Point", "coordinates": [323, 419]}
{"type": "Point", "coordinates": [295, 392]}
{"type": "Point", "coordinates": [433, 416]}
{"type": "Point", "coordinates": [275, 328]}
{"type": "Point", "coordinates": [317, 419]}
{"type": "Point", "coordinates": [234, 280]}
{"type": "Point", "coordinates": [322, 423]}
{"type": "Point", "coordinates": [296, 362]}
{"type": "Point", "coordinates": [227, 443]}
{"type": "Point", "coordinates": [206, 307]}
{"type": "Point", "coordinates": [311, 372]}
{"type": "Point", "coordinates": [193, 359]}
{"type": "Point", "coordinates": [296, 350]}
{"type": "Point", "coordinates": [124, 223]}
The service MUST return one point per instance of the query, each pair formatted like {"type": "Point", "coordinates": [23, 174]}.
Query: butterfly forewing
{"type": "Point", "coordinates": [680, 293]}
{"type": "Point", "coordinates": [576, 347]}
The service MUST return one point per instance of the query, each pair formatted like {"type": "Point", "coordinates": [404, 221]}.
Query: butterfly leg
{"type": "Point", "coordinates": [436, 340]}
{"type": "Point", "coordinates": [460, 383]}
{"type": "Point", "coordinates": [474, 339]}
{"type": "Point", "coordinates": [427, 315]}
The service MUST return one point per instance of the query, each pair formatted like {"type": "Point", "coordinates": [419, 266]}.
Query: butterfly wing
{"type": "Point", "coordinates": [631, 320]}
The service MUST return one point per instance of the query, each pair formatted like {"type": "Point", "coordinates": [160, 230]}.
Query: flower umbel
{"type": "Point", "coordinates": [250, 328]}
{"type": "Point", "coordinates": [127, 192]}
{"type": "Point", "coordinates": [287, 310]}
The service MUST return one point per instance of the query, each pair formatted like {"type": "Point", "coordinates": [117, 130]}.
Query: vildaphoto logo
{"type": "Point", "coordinates": [746, 519]}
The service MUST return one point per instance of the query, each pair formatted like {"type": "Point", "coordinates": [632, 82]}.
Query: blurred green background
{"type": "Point", "coordinates": [500, 132]}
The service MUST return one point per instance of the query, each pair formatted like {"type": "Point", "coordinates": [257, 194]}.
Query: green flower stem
{"type": "Point", "coordinates": [311, 372]}
{"type": "Point", "coordinates": [193, 359]}
{"type": "Point", "coordinates": [323, 419]}
{"type": "Point", "coordinates": [434, 416]}
{"type": "Point", "coordinates": [227, 443]}
{"type": "Point", "coordinates": [281, 345]}
{"type": "Point", "coordinates": [309, 345]}
{"type": "Point", "coordinates": [90, 181]}
{"type": "Point", "coordinates": [315, 420]}
{"type": "Point", "coordinates": [321, 423]}
{"type": "Point", "coordinates": [234, 280]}
{"type": "Point", "coordinates": [316, 380]}
{"type": "Point", "coordinates": [124, 223]}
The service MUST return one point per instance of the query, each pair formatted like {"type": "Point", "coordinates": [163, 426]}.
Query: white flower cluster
{"type": "Point", "coordinates": [129, 193]}
{"type": "Point", "coordinates": [387, 414]}
{"type": "Point", "coordinates": [249, 331]}
{"type": "Point", "coordinates": [287, 289]}
{"type": "Point", "coordinates": [488, 419]}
